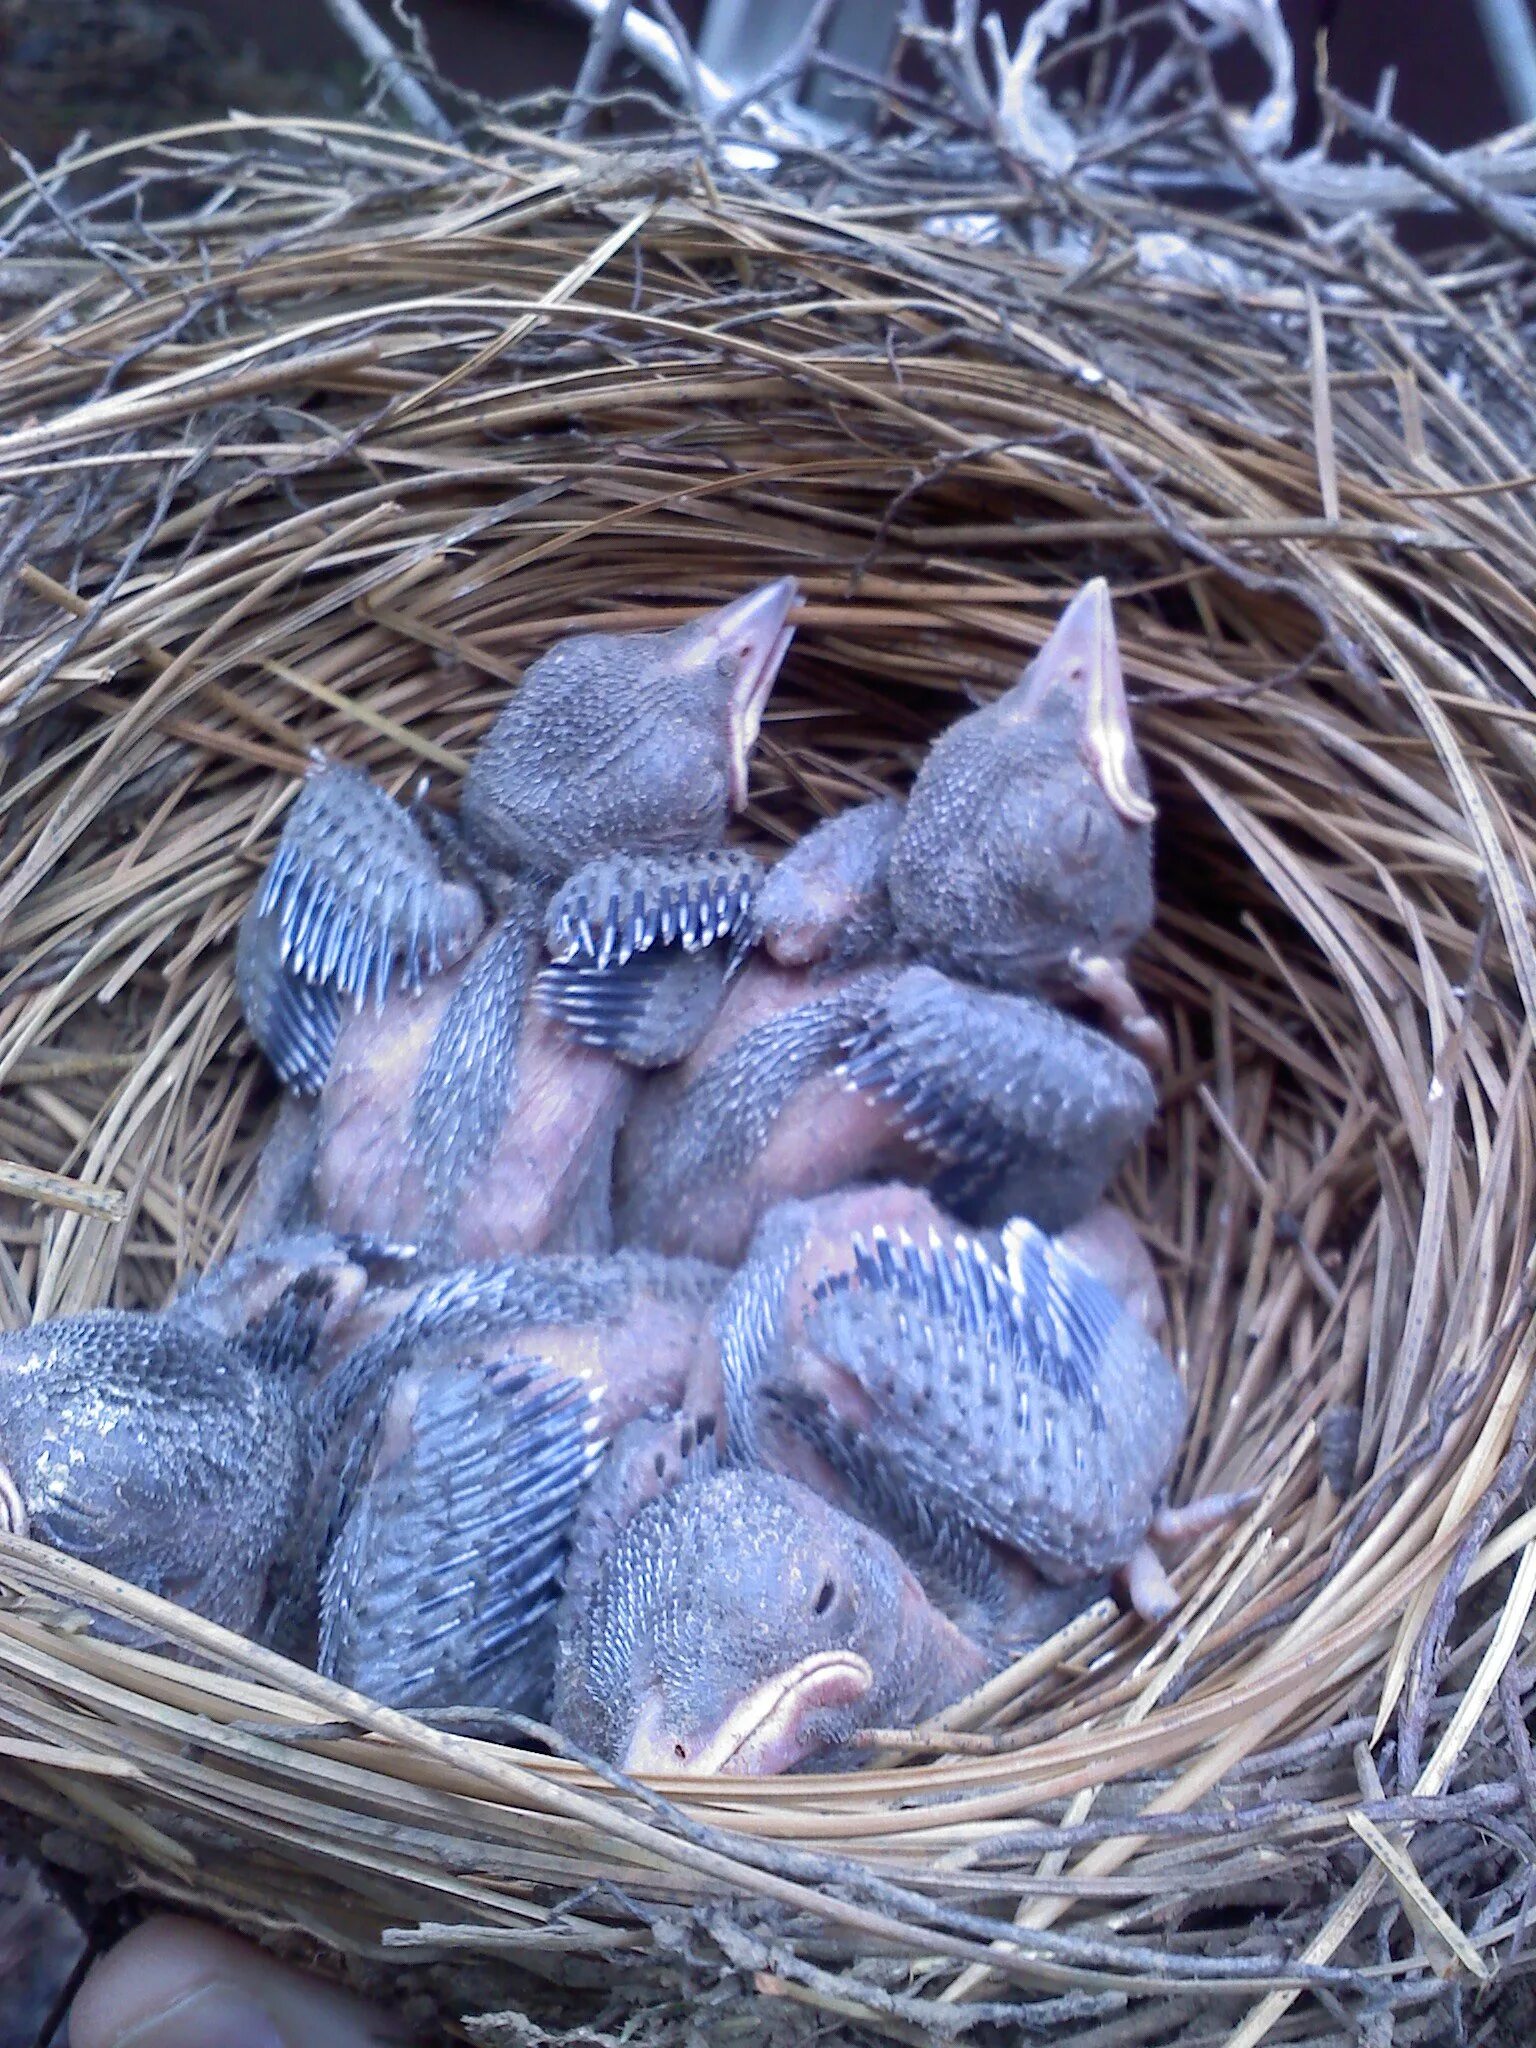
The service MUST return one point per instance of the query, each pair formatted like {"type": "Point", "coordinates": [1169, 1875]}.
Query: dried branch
{"type": "Point", "coordinates": [1461, 186]}
{"type": "Point", "coordinates": [664, 47]}
{"type": "Point", "coordinates": [603, 45]}
{"type": "Point", "coordinates": [394, 73]}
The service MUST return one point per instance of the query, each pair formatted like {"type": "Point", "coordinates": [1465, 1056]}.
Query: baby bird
{"type": "Point", "coordinates": [155, 1447]}
{"type": "Point", "coordinates": [469, 1429]}
{"type": "Point", "coordinates": [388, 967]}
{"type": "Point", "coordinates": [893, 1022]}
{"type": "Point", "coordinates": [735, 1623]}
{"type": "Point", "coordinates": [1024, 858]}
{"type": "Point", "coordinates": [980, 1401]}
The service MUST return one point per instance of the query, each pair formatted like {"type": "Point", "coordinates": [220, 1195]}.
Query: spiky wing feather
{"type": "Point", "coordinates": [643, 945]}
{"type": "Point", "coordinates": [749, 1324]}
{"type": "Point", "coordinates": [622, 904]}
{"type": "Point", "coordinates": [468, 1081]}
{"type": "Point", "coordinates": [357, 901]}
{"type": "Point", "coordinates": [984, 1081]}
{"type": "Point", "coordinates": [650, 1012]}
{"type": "Point", "coordinates": [726, 1115]}
{"type": "Point", "coordinates": [294, 1022]}
{"type": "Point", "coordinates": [1030, 1402]}
{"type": "Point", "coordinates": [441, 1586]}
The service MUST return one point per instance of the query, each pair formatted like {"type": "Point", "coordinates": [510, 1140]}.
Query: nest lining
{"type": "Point", "coordinates": [325, 469]}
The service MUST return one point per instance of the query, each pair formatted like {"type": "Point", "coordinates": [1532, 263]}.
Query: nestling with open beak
{"type": "Point", "coordinates": [468, 1429]}
{"type": "Point", "coordinates": [1021, 860]}
{"type": "Point", "coordinates": [1024, 859]}
{"type": "Point", "coordinates": [892, 1023]}
{"type": "Point", "coordinates": [388, 965]}
{"type": "Point", "coordinates": [736, 1623]}
{"type": "Point", "coordinates": [156, 1448]}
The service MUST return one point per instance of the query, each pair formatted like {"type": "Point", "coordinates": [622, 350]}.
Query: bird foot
{"type": "Point", "coordinates": [1144, 1579]}
{"type": "Point", "coordinates": [13, 1512]}
{"type": "Point", "coordinates": [1199, 1517]}
{"type": "Point", "coordinates": [1146, 1585]}
{"type": "Point", "coordinates": [1104, 981]}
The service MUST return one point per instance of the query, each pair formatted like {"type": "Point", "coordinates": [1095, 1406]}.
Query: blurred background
{"type": "Point", "coordinates": [1464, 68]}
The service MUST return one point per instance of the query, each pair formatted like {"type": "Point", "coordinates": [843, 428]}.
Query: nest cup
{"type": "Point", "coordinates": [299, 476]}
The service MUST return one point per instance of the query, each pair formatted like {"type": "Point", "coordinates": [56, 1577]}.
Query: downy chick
{"type": "Point", "coordinates": [471, 1425]}
{"type": "Point", "coordinates": [981, 1401]}
{"type": "Point", "coordinates": [153, 1447]}
{"type": "Point", "coordinates": [736, 1623]}
{"type": "Point", "coordinates": [390, 970]}
{"type": "Point", "coordinates": [894, 1022]}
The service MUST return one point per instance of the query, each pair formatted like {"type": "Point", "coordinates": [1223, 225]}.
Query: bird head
{"type": "Point", "coordinates": [637, 741]}
{"type": "Point", "coordinates": [1028, 833]}
{"type": "Point", "coordinates": [742, 1626]}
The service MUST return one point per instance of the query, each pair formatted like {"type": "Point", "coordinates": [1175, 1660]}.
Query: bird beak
{"type": "Point", "coordinates": [763, 1734]}
{"type": "Point", "coordinates": [756, 629]}
{"type": "Point", "coordinates": [1083, 655]}
{"type": "Point", "coordinates": [13, 1512]}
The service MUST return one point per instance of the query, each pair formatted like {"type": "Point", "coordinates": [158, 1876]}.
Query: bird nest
{"type": "Point", "coordinates": [321, 460]}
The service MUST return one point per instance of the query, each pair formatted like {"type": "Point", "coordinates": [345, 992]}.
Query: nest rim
{"type": "Point", "coordinates": [1410, 883]}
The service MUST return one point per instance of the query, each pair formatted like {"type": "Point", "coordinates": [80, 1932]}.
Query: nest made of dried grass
{"type": "Point", "coordinates": [321, 461]}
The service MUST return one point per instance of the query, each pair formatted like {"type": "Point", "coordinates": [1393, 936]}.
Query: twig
{"type": "Point", "coordinates": [603, 45]}
{"type": "Point", "coordinates": [380, 54]}
{"type": "Point", "coordinates": [944, 1924]}
{"type": "Point", "coordinates": [649, 41]}
{"type": "Point", "coordinates": [70, 223]}
{"type": "Point", "coordinates": [698, 96]}
{"type": "Point", "coordinates": [1511, 222]}
{"type": "Point", "coordinates": [60, 1191]}
{"type": "Point", "coordinates": [786, 73]}
{"type": "Point", "coordinates": [1506, 1482]}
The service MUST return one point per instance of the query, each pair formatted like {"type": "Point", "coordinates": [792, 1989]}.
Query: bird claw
{"type": "Point", "coordinates": [1104, 981]}
{"type": "Point", "coordinates": [1198, 1518]}
{"type": "Point", "coordinates": [1147, 1585]}
{"type": "Point", "coordinates": [13, 1511]}
{"type": "Point", "coordinates": [1144, 1578]}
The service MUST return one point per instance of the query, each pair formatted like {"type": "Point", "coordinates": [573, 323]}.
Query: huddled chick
{"type": "Point", "coordinates": [676, 1300]}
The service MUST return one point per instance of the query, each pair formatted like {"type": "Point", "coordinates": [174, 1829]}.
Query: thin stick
{"type": "Point", "coordinates": [603, 45]}
{"type": "Point", "coordinates": [60, 1191]}
{"type": "Point", "coordinates": [380, 54]}
{"type": "Point", "coordinates": [1510, 221]}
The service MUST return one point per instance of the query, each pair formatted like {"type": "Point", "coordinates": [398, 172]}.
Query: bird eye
{"type": "Point", "coordinates": [661, 1465]}
{"type": "Point", "coordinates": [1082, 832]}
{"type": "Point", "coordinates": [727, 665]}
{"type": "Point", "coordinates": [825, 1597]}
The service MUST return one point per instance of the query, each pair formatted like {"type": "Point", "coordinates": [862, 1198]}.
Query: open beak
{"type": "Point", "coordinates": [763, 1734]}
{"type": "Point", "coordinates": [1084, 654]}
{"type": "Point", "coordinates": [756, 629]}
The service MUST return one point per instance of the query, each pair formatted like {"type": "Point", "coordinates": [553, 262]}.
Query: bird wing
{"type": "Point", "coordinates": [643, 945]}
{"type": "Point", "coordinates": [294, 1022]}
{"type": "Point", "coordinates": [982, 1080]}
{"type": "Point", "coordinates": [622, 904]}
{"type": "Point", "coordinates": [1026, 1398]}
{"type": "Point", "coordinates": [649, 1012]}
{"type": "Point", "coordinates": [354, 900]}
{"type": "Point", "coordinates": [441, 1585]}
